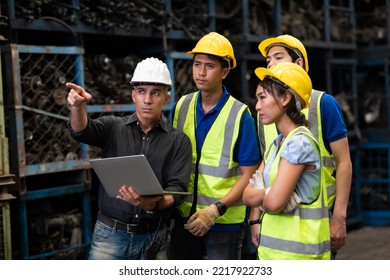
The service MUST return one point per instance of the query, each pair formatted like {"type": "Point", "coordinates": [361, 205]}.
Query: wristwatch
{"type": "Point", "coordinates": [221, 207]}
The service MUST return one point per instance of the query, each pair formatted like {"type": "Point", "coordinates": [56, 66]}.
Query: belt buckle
{"type": "Point", "coordinates": [128, 228]}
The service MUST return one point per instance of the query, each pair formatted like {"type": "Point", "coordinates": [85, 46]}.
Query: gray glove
{"type": "Point", "coordinates": [293, 203]}
{"type": "Point", "coordinates": [257, 180]}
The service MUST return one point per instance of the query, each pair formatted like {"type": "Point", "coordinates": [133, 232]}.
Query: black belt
{"type": "Point", "coordinates": [131, 228]}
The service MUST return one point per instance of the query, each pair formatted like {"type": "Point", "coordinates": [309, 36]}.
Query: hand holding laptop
{"type": "Point", "coordinates": [148, 203]}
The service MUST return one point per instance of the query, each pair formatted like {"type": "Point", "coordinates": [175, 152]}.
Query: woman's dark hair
{"type": "Point", "coordinates": [271, 87]}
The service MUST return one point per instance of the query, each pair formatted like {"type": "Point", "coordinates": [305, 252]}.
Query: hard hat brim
{"type": "Point", "coordinates": [135, 83]}
{"type": "Point", "coordinates": [264, 45]}
{"type": "Point", "coordinates": [262, 72]}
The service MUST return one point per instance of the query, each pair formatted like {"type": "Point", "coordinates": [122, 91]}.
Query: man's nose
{"type": "Point", "coordinates": [148, 97]}
{"type": "Point", "coordinates": [202, 70]}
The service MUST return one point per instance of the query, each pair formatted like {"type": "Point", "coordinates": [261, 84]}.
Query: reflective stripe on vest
{"type": "Point", "coordinates": [327, 159]}
{"type": "Point", "coordinates": [217, 170]}
{"type": "Point", "coordinates": [302, 234]}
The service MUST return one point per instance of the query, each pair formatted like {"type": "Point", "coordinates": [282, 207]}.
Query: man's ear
{"type": "Point", "coordinates": [300, 62]}
{"type": "Point", "coordinates": [132, 95]}
{"type": "Point", "coordinates": [225, 72]}
{"type": "Point", "coordinates": [167, 98]}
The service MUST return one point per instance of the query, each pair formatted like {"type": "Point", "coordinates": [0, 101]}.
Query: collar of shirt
{"type": "Point", "coordinates": [199, 110]}
{"type": "Point", "coordinates": [163, 123]}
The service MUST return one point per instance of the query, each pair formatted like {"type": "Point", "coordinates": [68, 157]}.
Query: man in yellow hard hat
{"type": "Point", "coordinates": [225, 153]}
{"type": "Point", "coordinates": [327, 124]}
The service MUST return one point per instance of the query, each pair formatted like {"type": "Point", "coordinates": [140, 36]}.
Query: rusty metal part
{"type": "Point", "coordinates": [32, 83]}
{"type": "Point", "coordinates": [59, 96]}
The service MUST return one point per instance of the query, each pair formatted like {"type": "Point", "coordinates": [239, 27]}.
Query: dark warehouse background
{"type": "Point", "coordinates": [47, 189]}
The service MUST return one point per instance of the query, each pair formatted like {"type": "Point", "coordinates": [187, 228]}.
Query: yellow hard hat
{"type": "Point", "coordinates": [216, 44]}
{"type": "Point", "coordinates": [290, 75]}
{"type": "Point", "coordinates": [287, 41]}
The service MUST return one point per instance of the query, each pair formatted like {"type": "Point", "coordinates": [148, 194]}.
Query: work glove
{"type": "Point", "coordinates": [292, 203]}
{"type": "Point", "coordinates": [200, 223]}
{"type": "Point", "coordinates": [257, 180]}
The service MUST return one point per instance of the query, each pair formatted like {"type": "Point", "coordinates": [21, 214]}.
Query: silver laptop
{"type": "Point", "coordinates": [133, 170]}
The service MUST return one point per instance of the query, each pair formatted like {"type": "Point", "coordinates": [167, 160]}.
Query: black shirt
{"type": "Point", "coordinates": [167, 149]}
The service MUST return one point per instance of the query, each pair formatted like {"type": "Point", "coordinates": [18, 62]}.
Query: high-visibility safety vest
{"type": "Point", "coordinates": [303, 234]}
{"type": "Point", "coordinates": [267, 134]}
{"type": "Point", "coordinates": [214, 170]}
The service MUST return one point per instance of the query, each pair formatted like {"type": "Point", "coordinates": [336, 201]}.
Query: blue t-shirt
{"type": "Point", "coordinates": [333, 126]}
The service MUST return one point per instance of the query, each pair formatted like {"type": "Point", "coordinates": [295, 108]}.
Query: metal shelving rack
{"type": "Point", "coordinates": [37, 118]}
{"type": "Point", "coordinates": [372, 162]}
{"type": "Point", "coordinates": [6, 181]}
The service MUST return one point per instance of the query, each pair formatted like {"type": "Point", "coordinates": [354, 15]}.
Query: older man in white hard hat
{"type": "Point", "coordinates": [130, 226]}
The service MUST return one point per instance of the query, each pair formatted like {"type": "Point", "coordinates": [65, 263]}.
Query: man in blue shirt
{"type": "Point", "coordinates": [209, 223]}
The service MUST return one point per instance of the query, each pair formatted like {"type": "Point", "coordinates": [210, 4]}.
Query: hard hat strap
{"type": "Point", "coordinates": [228, 61]}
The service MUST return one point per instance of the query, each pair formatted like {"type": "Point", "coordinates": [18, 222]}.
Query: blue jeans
{"type": "Point", "coordinates": [114, 244]}
{"type": "Point", "coordinates": [215, 245]}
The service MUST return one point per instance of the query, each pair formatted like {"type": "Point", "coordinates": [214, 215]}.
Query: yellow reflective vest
{"type": "Point", "coordinates": [303, 234]}
{"type": "Point", "coordinates": [267, 134]}
{"type": "Point", "coordinates": [214, 170]}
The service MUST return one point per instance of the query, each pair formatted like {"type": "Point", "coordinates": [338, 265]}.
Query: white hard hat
{"type": "Point", "coordinates": [151, 70]}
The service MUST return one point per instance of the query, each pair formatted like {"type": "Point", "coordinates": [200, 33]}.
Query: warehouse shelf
{"type": "Point", "coordinates": [374, 96]}
{"type": "Point", "coordinates": [322, 24]}
{"type": "Point", "coordinates": [373, 183]}
{"type": "Point", "coordinates": [119, 18]}
{"type": "Point", "coordinates": [7, 180]}
{"type": "Point", "coordinates": [40, 148]}
{"type": "Point", "coordinates": [260, 19]}
{"type": "Point", "coordinates": [372, 23]}
{"type": "Point", "coordinates": [53, 25]}
{"type": "Point", "coordinates": [73, 220]}
{"type": "Point", "coordinates": [37, 97]}
{"type": "Point", "coordinates": [354, 210]}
